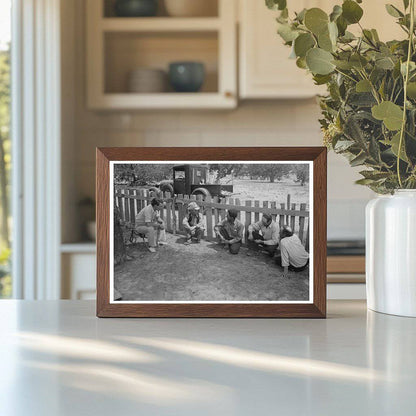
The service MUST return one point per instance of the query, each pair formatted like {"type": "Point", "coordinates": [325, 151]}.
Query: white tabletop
{"type": "Point", "coordinates": [56, 358]}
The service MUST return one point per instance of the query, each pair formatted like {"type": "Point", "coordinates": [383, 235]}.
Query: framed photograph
{"type": "Point", "coordinates": [211, 232]}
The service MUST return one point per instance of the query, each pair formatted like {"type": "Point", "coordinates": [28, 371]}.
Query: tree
{"type": "Point", "coordinates": [269, 171]}
{"type": "Point", "coordinates": [224, 169]}
{"type": "Point", "coordinates": [4, 143]}
{"type": "Point", "coordinates": [142, 174]}
{"type": "Point", "coordinates": [302, 173]}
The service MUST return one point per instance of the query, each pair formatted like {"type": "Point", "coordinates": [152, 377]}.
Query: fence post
{"type": "Point", "coordinates": [181, 213]}
{"type": "Point", "coordinates": [257, 214]}
{"type": "Point", "coordinates": [302, 224]}
{"type": "Point", "coordinates": [248, 221]}
{"type": "Point", "coordinates": [282, 217]}
{"type": "Point", "coordinates": [168, 212]}
{"type": "Point", "coordinates": [292, 218]}
{"type": "Point", "coordinates": [131, 203]}
{"type": "Point", "coordinates": [216, 210]}
{"type": "Point", "coordinates": [288, 208]}
{"type": "Point", "coordinates": [273, 206]}
{"type": "Point", "coordinates": [208, 216]}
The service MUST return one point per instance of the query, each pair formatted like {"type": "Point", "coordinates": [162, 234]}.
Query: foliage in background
{"type": "Point", "coordinates": [5, 166]}
{"type": "Point", "coordinates": [150, 174]}
{"type": "Point", "coordinates": [369, 113]}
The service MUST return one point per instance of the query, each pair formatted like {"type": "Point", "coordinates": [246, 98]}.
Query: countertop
{"type": "Point", "coordinates": [57, 358]}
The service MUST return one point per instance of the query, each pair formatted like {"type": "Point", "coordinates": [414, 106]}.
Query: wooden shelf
{"type": "Point", "coordinates": [346, 264]}
{"type": "Point", "coordinates": [163, 101]}
{"type": "Point", "coordinates": [159, 24]}
{"type": "Point", "coordinates": [116, 46]}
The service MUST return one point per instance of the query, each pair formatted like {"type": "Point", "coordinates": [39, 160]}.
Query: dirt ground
{"type": "Point", "coordinates": [205, 272]}
{"type": "Point", "coordinates": [268, 191]}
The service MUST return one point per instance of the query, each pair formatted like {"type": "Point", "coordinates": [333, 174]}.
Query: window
{"type": "Point", "coordinates": [5, 159]}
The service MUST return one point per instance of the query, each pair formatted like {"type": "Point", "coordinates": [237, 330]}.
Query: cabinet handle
{"type": "Point", "coordinates": [228, 94]}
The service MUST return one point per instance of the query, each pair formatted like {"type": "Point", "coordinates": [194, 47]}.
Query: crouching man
{"type": "Point", "coordinates": [194, 224]}
{"type": "Point", "coordinates": [293, 255]}
{"type": "Point", "coordinates": [264, 234]}
{"type": "Point", "coordinates": [230, 231]}
{"type": "Point", "coordinates": [149, 223]}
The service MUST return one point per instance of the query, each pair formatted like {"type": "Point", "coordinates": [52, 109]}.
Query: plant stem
{"type": "Point", "coordinates": [406, 80]}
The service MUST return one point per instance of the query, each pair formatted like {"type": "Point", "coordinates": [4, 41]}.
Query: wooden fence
{"type": "Point", "coordinates": [131, 200]}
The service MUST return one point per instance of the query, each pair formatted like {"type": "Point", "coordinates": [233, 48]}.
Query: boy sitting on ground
{"type": "Point", "coordinates": [230, 232]}
{"type": "Point", "coordinates": [194, 224]}
{"type": "Point", "coordinates": [293, 255]}
{"type": "Point", "coordinates": [264, 234]}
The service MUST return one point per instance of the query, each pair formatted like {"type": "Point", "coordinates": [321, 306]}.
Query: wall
{"type": "Point", "coordinates": [256, 123]}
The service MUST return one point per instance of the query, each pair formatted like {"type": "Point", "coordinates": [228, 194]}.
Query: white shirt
{"type": "Point", "coordinates": [147, 214]}
{"type": "Point", "coordinates": [292, 252]}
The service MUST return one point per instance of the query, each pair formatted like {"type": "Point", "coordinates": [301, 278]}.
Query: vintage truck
{"type": "Point", "coordinates": [192, 180]}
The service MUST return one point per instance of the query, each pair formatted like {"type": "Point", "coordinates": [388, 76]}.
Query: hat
{"type": "Point", "coordinates": [193, 205]}
{"type": "Point", "coordinates": [233, 213]}
{"type": "Point", "coordinates": [287, 228]}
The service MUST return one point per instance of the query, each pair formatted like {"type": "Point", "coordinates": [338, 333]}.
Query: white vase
{"type": "Point", "coordinates": [391, 253]}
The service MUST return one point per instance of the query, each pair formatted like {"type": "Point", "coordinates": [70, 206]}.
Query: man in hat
{"type": "Point", "coordinates": [230, 231]}
{"type": "Point", "coordinates": [194, 223]}
{"type": "Point", "coordinates": [264, 234]}
{"type": "Point", "coordinates": [293, 255]}
{"type": "Point", "coordinates": [149, 223]}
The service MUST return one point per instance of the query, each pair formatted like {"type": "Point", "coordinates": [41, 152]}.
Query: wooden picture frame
{"type": "Point", "coordinates": [314, 308]}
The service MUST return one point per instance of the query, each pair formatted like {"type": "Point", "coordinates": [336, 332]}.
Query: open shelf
{"type": "Point", "coordinates": [160, 24]}
{"type": "Point", "coordinates": [211, 9]}
{"type": "Point", "coordinates": [116, 46]}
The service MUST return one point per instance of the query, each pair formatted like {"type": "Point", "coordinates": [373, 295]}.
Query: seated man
{"type": "Point", "coordinates": [265, 233]}
{"type": "Point", "coordinates": [194, 223]}
{"type": "Point", "coordinates": [230, 231]}
{"type": "Point", "coordinates": [293, 255]}
{"type": "Point", "coordinates": [149, 223]}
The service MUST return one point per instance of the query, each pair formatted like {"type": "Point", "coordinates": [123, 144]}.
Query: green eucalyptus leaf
{"type": "Point", "coordinates": [301, 63]}
{"type": "Point", "coordinates": [303, 43]}
{"type": "Point", "coordinates": [286, 32]}
{"type": "Point", "coordinates": [391, 114]}
{"type": "Point", "coordinates": [411, 90]}
{"type": "Point", "coordinates": [343, 145]}
{"type": "Point", "coordinates": [358, 160]}
{"type": "Point", "coordinates": [351, 11]}
{"type": "Point", "coordinates": [385, 63]}
{"type": "Point", "coordinates": [364, 181]}
{"type": "Point", "coordinates": [393, 11]}
{"type": "Point", "coordinates": [406, 4]}
{"type": "Point", "coordinates": [336, 12]}
{"type": "Point", "coordinates": [343, 65]}
{"type": "Point", "coordinates": [319, 61]}
{"type": "Point", "coordinates": [325, 42]}
{"type": "Point", "coordinates": [342, 25]}
{"type": "Point", "coordinates": [300, 17]}
{"type": "Point", "coordinates": [363, 86]}
{"type": "Point", "coordinates": [276, 4]}
{"type": "Point", "coordinates": [375, 35]}
{"type": "Point", "coordinates": [321, 79]}
{"type": "Point", "coordinates": [394, 146]}
{"type": "Point", "coordinates": [316, 20]}
{"type": "Point", "coordinates": [358, 61]}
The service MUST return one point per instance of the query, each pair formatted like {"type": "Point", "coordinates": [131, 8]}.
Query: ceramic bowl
{"type": "Point", "coordinates": [135, 8]}
{"type": "Point", "coordinates": [186, 76]}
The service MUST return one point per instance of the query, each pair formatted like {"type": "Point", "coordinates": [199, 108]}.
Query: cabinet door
{"type": "Point", "coordinates": [265, 68]}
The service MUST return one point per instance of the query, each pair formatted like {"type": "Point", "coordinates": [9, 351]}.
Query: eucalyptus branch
{"type": "Point", "coordinates": [405, 81]}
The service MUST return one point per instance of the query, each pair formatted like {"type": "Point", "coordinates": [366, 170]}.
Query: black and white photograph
{"type": "Point", "coordinates": [211, 232]}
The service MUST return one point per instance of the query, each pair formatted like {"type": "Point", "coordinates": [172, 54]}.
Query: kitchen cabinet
{"type": "Point", "coordinates": [265, 70]}
{"type": "Point", "coordinates": [118, 45]}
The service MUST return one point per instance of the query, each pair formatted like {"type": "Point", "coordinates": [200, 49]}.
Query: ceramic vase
{"type": "Point", "coordinates": [391, 253]}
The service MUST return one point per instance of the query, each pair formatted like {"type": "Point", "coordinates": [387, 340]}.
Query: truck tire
{"type": "Point", "coordinates": [154, 192]}
{"type": "Point", "coordinates": [167, 187]}
{"type": "Point", "coordinates": [201, 191]}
